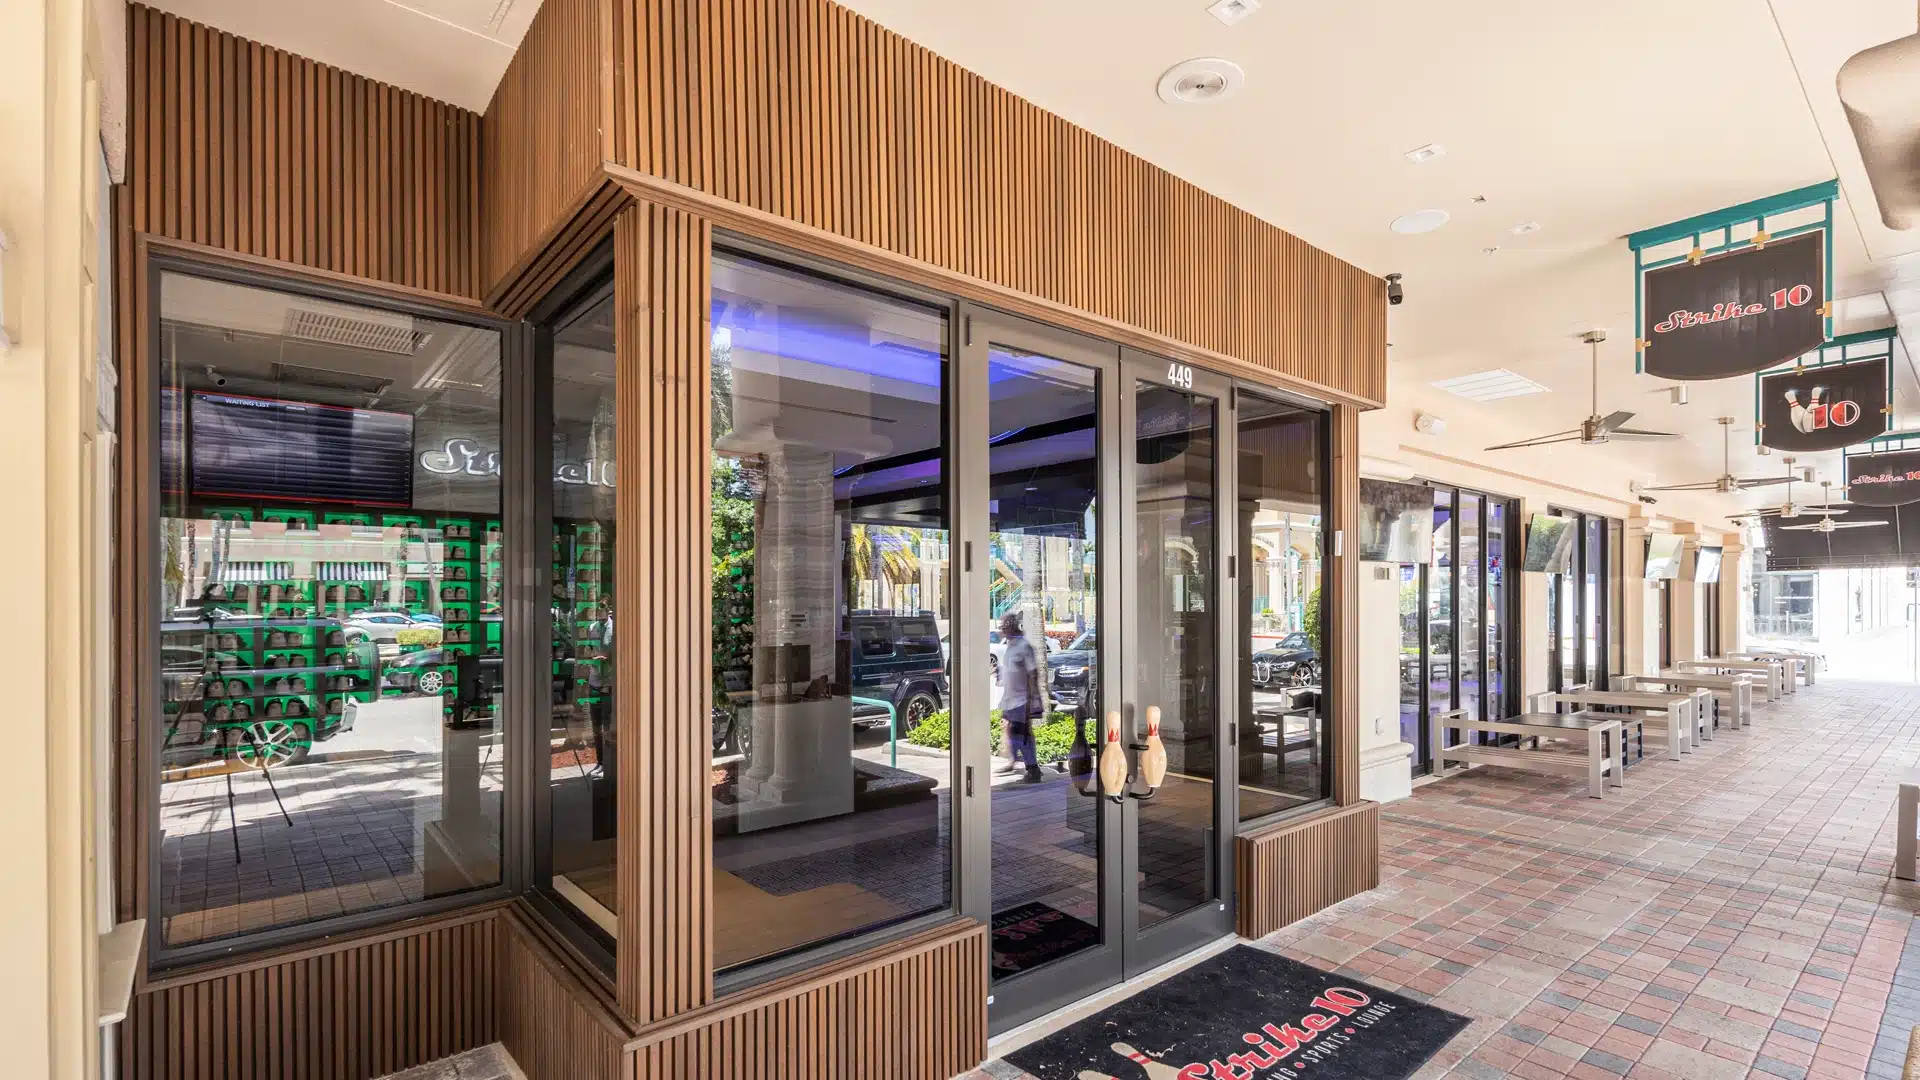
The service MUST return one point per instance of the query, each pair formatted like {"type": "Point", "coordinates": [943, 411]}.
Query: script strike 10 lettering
{"type": "Point", "coordinates": [1798, 296]}
{"type": "Point", "coordinates": [1273, 1044]}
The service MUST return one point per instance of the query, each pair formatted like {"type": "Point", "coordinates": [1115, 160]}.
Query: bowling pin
{"type": "Point", "coordinates": [1155, 1070]}
{"type": "Point", "coordinates": [1817, 410]}
{"type": "Point", "coordinates": [1797, 412]}
{"type": "Point", "coordinates": [1153, 760]}
{"type": "Point", "coordinates": [1113, 759]}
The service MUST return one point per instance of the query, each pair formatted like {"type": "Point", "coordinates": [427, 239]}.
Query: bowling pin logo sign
{"type": "Point", "coordinates": [1824, 408]}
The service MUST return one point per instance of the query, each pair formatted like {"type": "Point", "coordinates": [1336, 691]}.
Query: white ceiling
{"type": "Point", "coordinates": [450, 50]}
{"type": "Point", "coordinates": [1593, 120]}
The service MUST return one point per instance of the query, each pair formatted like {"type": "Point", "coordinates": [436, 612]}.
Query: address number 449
{"type": "Point", "coordinates": [1180, 375]}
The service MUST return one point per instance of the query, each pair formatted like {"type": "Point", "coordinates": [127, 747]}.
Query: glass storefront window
{"type": "Point", "coordinates": [1468, 632]}
{"type": "Point", "coordinates": [832, 770]}
{"type": "Point", "coordinates": [1284, 745]}
{"type": "Point", "coordinates": [1498, 517]}
{"type": "Point", "coordinates": [330, 594]}
{"type": "Point", "coordinates": [582, 762]}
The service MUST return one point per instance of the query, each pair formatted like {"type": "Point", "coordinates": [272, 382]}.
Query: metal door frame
{"type": "Point", "coordinates": [1124, 950]}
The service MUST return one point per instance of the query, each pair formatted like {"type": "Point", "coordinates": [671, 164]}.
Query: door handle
{"type": "Point", "coordinates": [1120, 773]}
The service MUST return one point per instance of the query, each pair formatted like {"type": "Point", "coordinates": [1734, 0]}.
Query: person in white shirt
{"type": "Point", "coordinates": [1020, 697]}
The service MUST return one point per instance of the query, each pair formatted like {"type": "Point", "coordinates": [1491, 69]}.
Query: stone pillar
{"type": "Point", "coordinates": [802, 765]}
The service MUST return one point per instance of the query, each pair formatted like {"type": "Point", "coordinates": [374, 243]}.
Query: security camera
{"type": "Point", "coordinates": [218, 379]}
{"type": "Point", "coordinates": [1395, 295]}
{"type": "Point", "coordinates": [1649, 500]}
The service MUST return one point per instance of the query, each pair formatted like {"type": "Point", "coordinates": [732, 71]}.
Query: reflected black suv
{"type": "Point", "coordinates": [896, 660]}
{"type": "Point", "coordinates": [1293, 661]}
{"type": "Point", "coordinates": [1070, 672]}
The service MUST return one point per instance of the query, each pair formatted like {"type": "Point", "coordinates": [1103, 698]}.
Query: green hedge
{"type": "Point", "coordinates": [1052, 739]}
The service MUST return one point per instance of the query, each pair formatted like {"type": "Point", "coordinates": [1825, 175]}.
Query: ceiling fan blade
{"type": "Point", "coordinates": [1764, 481]}
{"type": "Point", "coordinates": [1825, 510]}
{"type": "Point", "coordinates": [1636, 433]}
{"type": "Point", "coordinates": [1704, 485]}
{"type": "Point", "coordinates": [1801, 528]}
{"type": "Point", "coordinates": [1613, 421]}
{"type": "Point", "coordinates": [1857, 524]}
{"type": "Point", "coordinates": [1558, 437]}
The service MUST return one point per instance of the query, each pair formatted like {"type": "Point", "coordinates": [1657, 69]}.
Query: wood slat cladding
{"type": "Point", "coordinates": [549, 1019]}
{"type": "Point", "coordinates": [133, 579]}
{"type": "Point", "coordinates": [546, 113]}
{"type": "Point", "coordinates": [662, 261]}
{"type": "Point", "coordinates": [1343, 596]}
{"type": "Point", "coordinates": [347, 1010]}
{"type": "Point", "coordinates": [912, 1010]}
{"type": "Point", "coordinates": [533, 277]}
{"type": "Point", "coordinates": [810, 113]}
{"type": "Point", "coordinates": [250, 149]}
{"type": "Point", "coordinates": [1288, 872]}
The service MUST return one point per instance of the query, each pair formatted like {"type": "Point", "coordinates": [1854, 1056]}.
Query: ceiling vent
{"type": "Point", "coordinates": [355, 329]}
{"type": "Point", "coordinates": [1491, 385]}
{"type": "Point", "coordinates": [1200, 82]}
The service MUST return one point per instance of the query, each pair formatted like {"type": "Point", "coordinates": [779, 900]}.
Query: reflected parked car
{"type": "Point", "coordinates": [1070, 671]}
{"type": "Point", "coordinates": [896, 659]}
{"type": "Point", "coordinates": [1292, 661]}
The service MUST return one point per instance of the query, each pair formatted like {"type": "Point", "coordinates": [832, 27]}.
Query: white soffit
{"type": "Point", "coordinates": [450, 50]}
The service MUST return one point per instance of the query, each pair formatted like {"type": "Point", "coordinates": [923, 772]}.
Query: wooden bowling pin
{"type": "Point", "coordinates": [1113, 759]}
{"type": "Point", "coordinates": [1153, 760]}
{"type": "Point", "coordinates": [1155, 1070]}
{"type": "Point", "coordinates": [1089, 1074]}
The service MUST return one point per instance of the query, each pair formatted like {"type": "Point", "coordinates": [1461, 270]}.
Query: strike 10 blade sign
{"type": "Point", "coordinates": [1890, 479]}
{"type": "Point", "coordinates": [1824, 408]}
{"type": "Point", "coordinates": [1736, 313]}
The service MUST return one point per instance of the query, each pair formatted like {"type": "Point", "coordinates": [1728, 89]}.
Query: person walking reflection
{"type": "Point", "coordinates": [1020, 697]}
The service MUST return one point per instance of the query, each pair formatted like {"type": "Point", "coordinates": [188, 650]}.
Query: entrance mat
{"type": "Point", "coordinates": [1027, 936]}
{"type": "Point", "coordinates": [1247, 1014]}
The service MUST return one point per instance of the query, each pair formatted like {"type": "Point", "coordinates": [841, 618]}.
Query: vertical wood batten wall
{"type": "Point", "coordinates": [804, 110]}
{"type": "Point", "coordinates": [1288, 872]}
{"type": "Point", "coordinates": [343, 1011]}
{"type": "Point", "coordinates": [546, 111]}
{"type": "Point", "coordinates": [869, 1016]}
{"type": "Point", "coordinates": [250, 149]}
{"type": "Point", "coordinates": [550, 1022]}
{"type": "Point", "coordinates": [662, 263]}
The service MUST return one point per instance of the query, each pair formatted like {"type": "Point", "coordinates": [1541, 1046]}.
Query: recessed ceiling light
{"type": "Point", "coordinates": [1420, 221]}
{"type": "Point", "coordinates": [1422, 155]}
{"type": "Point", "coordinates": [1200, 81]}
{"type": "Point", "coordinates": [1525, 227]}
{"type": "Point", "coordinates": [1491, 385]}
{"type": "Point", "coordinates": [1232, 11]}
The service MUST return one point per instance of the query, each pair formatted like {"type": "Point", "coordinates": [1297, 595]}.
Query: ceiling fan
{"type": "Point", "coordinates": [1595, 430]}
{"type": "Point", "coordinates": [1727, 483]}
{"type": "Point", "coordinates": [1826, 524]}
{"type": "Point", "coordinates": [1790, 509]}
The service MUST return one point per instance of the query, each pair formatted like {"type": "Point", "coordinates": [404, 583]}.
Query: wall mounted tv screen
{"type": "Point", "coordinates": [1549, 544]}
{"type": "Point", "coordinates": [1706, 565]}
{"type": "Point", "coordinates": [1663, 557]}
{"type": "Point", "coordinates": [295, 451]}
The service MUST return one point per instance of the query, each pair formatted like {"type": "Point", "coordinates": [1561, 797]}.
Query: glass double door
{"type": "Point", "coordinates": [1097, 573]}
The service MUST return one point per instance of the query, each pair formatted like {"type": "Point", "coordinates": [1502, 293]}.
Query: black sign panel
{"type": "Point", "coordinates": [265, 448]}
{"type": "Point", "coordinates": [1894, 541]}
{"type": "Point", "coordinates": [1890, 479]}
{"type": "Point", "coordinates": [1824, 408]}
{"type": "Point", "coordinates": [1737, 313]}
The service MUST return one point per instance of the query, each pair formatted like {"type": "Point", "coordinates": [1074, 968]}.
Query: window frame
{"type": "Point", "coordinates": [143, 627]}
{"type": "Point", "coordinates": [760, 971]}
{"type": "Point", "coordinates": [1234, 632]}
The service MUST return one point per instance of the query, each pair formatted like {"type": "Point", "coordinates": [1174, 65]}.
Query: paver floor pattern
{"type": "Point", "coordinates": [1731, 914]}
